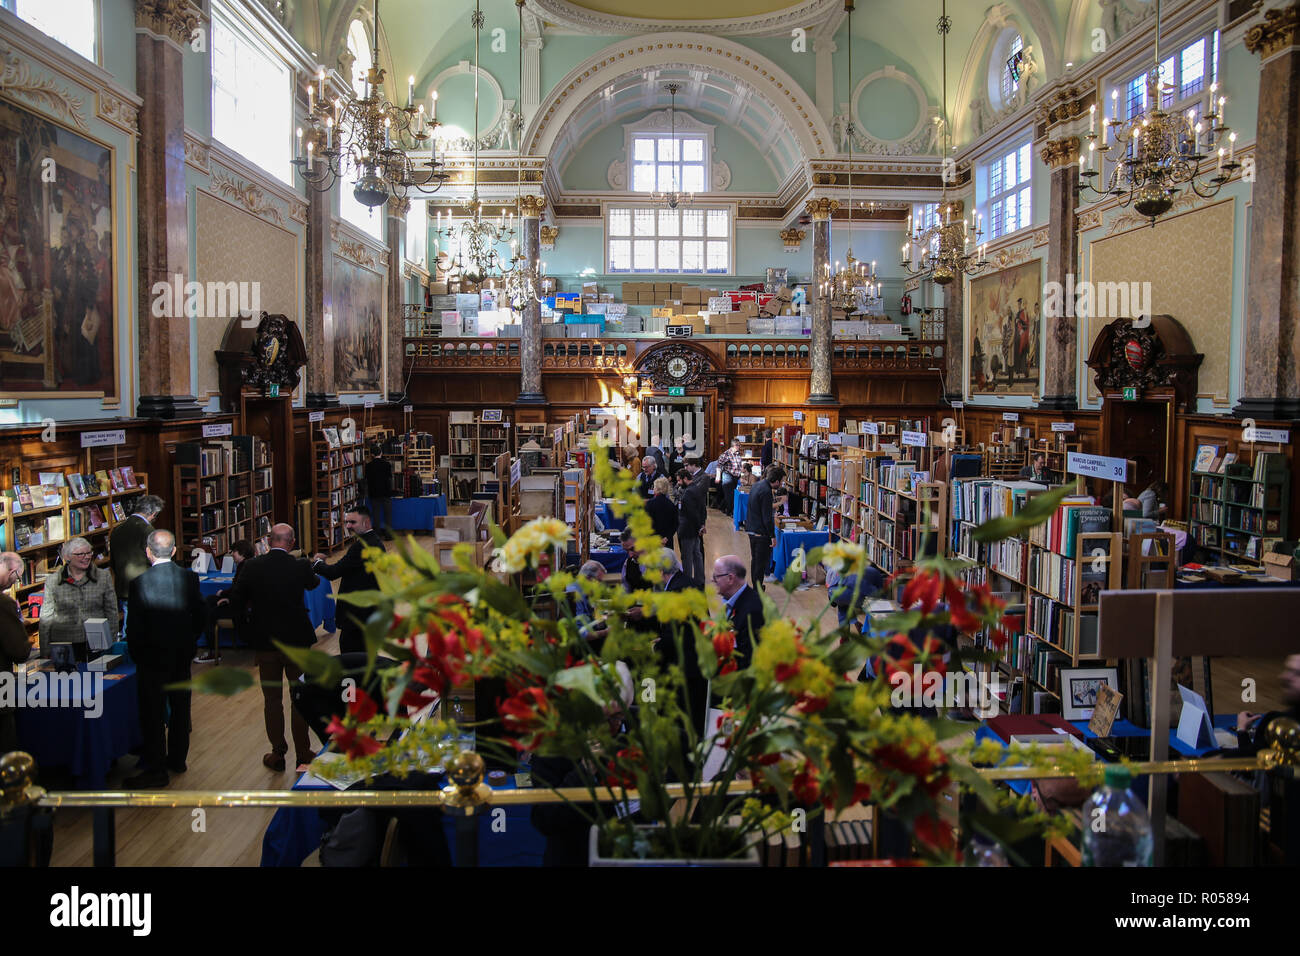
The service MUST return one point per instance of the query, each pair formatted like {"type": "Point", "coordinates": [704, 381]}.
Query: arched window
{"type": "Point", "coordinates": [252, 92]}
{"type": "Point", "coordinates": [71, 22]}
{"type": "Point", "coordinates": [368, 220]}
{"type": "Point", "coordinates": [1009, 80]}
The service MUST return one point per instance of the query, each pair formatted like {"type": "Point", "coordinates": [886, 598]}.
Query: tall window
{"type": "Point", "coordinates": [658, 239]}
{"type": "Point", "coordinates": [1009, 197]}
{"type": "Point", "coordinates": [252, 99]}
{"type": "Point", "coordinates": [1185, 79]}
{"type": "Point", "coordinates": [417, 233]}
{"type": "Point", "coordinates": [369, 221]}
{"type": "Point", "coordinates": [70, 22]}
{"type": "Point", "coordinates": [1009, 82]}
{"type": "Point", "coordinates": [657, 166]}
{"type": "Point", "coordinates": [924, 215]}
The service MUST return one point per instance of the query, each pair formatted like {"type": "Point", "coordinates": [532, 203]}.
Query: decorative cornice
{"type": "Point", "coordinates": [197, 152]}
{"type": "Point", "coordinates": [1089, 220]}
{"type": "Point", "coordinates": [1133, 219]}
{"type": "Point", "coordinates": [247, 195]}
{"type": "Point", "coordinates": [1063, 104]}
{"type": "Point", "coordinates": [792, 237]}
{"type": "Point", "coordinates": [121, 113]}
{"type": "Point", "coordinates": [1042, 238]}
{"type": "Point", "coordinates": [1057, 153]}
{"type": "Point", "coordinates": [821, 208]}
{"type": "Point", "coordinates": [356, 252]}
{"type": "Point", "coordinates": [1278, 31]}
{"type": "Point", "coordinates": [18, 81]}
{"type": "Point", "coordinates": [398, 206]}
{"type": "Point", "coordinates": [1012, 255]}
{"type": "Point", "coordinates": [530, 207]}
{"type": "Point", "coordinates": [175, 19]}
{"type": "Point", "coordinates": [776, 23]}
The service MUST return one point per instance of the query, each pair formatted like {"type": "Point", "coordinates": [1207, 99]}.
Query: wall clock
{"type": "Point", "coordinates": [677, 368]}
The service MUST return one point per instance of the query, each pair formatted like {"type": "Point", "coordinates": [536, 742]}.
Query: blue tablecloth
{"type": "Point", "coordinates": [606, 515]}
{"type": "Point", "coordinates": [67, 736]}
{"type": "Point", "coordinates": [414, 514]}
{"type": "Point", "coordinates": [739, 507]}
{"type": "Point", "coordinates": [612, 559]}
{"type": "Point", "coordinates": [787, 542]}
{"type": "Point", "coordinates": [319, 601]}
{"type": "Point", "coordinates": [294, 833]}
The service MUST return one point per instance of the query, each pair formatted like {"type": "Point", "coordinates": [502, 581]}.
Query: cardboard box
{"type": "Point", "coordinates": [691, 295]}
{"type": "Point", "coordinates": [463, 527]}
{"type": "Point", "coordinates": [645, 298]}
{"type": "Point", "coordinates": [762, 327]}
{"type": "Point", "coordinates": [590, 288]}
{"type": "Point", "coordinates": [437, 288]}
{"type": "Point", "coordinates": [445, 553]}
{"type": "Point", "coordinates": [695, 322]}
{"type": "Point", "coordinates": [1280, 566]}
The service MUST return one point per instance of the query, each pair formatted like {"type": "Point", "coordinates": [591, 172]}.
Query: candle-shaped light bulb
{"type": "Point", "coordinates": [1092, 118]}
{"type": "Point", "coordinates": [387, 125]}
{"type": "Point", "coordinates": [329, 132]}
{"type": "Point", "coordinates": [410, 90]}
{"type": "Point", "coordinates": [1220, 166]}
{"type": "Point", "coordinates": [320, 83]}
{"type": "Point", "coordinates": [1232, 145]}
{"type": "Point", "coordinates": [338, 107]}
{"type": "Point", "coordinates": [1114, 104]}
{"type": "Point", "coordinates": [1223, 100]}
{"type": "Point", "coordinates": [298, 151]}
{"type": "Point", "coordinates": [1197, 143]}
{"type": "Point", "coordinates": [433, 105]}
{"type": "Point", "coordinates": [310, 146]}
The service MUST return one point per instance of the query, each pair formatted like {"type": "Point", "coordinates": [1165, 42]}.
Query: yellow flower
{"type": "Point", "coordinates": [844, 557]}
{"type": "Point", "coordinates": [529, 542]}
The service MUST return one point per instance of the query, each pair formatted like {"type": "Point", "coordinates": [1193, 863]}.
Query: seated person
{"type": "Point", "coordinates": [219, 603]}
{"type": "Point", "coordinates": [582, 607]}
{"type": "Point", "coordinates": [1153, 501]}
{"type": "Point", "coordinates": [1036, 470]}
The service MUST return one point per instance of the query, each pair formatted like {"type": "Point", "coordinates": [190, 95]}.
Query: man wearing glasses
{"type": "Point", "coordinates": [744, 606]}
{"type": "Point", "coordinates": [75, 593]}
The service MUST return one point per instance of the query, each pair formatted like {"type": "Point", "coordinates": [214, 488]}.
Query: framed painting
{"type": "Point", "coordinates": [58, 305]}
{"type": "Point", "coordinates": [1006, 322]}
{"type": "Point", "coordinates": [358, 328]}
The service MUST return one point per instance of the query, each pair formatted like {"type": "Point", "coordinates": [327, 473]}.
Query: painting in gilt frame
{"type": "Point", "coordinates": [57, 297]}
{"type": "Point", "coordinates": [358, 328]}
{"type": "Point", "coordinates": [1006, 327]}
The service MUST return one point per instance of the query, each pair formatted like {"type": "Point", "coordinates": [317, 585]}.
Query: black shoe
{"type": "Point", "coordinates": [149, 780]}
{"type": "Point", "coordinates": [176, 767]}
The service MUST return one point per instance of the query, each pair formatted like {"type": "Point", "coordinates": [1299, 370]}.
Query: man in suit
{"type": "Point", "coordinates": [272, 588]}
{"type": "Point", "coordinates": [14, 646]}
{"type": "Point", "coordinates": [760, 523]}
{"type": "Point", "coordinates": [768, 451]}
{"type": "Point", "coordinates": [744, 606]}
{"type": "Point", "coordinates": [167, 615]}
{"type": "Point", "coordinates": [691, 519]}
{"type": "Point", "coordinates": [350, 571]}
{"type": "Point", "coordinates": [645, 482]}
{"type": "Point", "coordinates": [127, 543]}
{"type": "Point", "coordinates": [695, 694]}
{"type": "Point", "coordinates": [379, 488]}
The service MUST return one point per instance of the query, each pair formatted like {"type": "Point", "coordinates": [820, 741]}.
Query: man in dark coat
{"type": "Point", "coordinates": [379, 489]}
{"type": "Point", "coordinates": [167, 615]}
{"type": "Point", "coordinates": [272, 588]}
{"type": "Point", "coordinates": [127, 543]}
{"type": "Point", "coordinates": [662, 512]}
{"type": "Point", "coordinates": [350, 571]}
{"type": "Point", "coordinates": [692, 516]}
{"type": "Point", "coordinates": [645, 482]}
{"type": "Point", "coordinates": [760, 523]}
{"type": "Point", "coordinates": [744, 606]}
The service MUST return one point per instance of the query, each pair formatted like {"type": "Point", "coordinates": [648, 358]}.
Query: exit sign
{"type": "Point", "coordinates": [275, 391]}
{"type": "Point", "coordinates": [676, 391]}
{"type": "Point", "coordinates": [1130, 394]}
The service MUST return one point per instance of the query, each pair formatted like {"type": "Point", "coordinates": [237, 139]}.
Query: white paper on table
{"type": "Point", "coordinates": [1194, 723]}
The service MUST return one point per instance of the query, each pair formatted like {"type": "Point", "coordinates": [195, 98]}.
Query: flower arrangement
{"type": "Point", "coordinates": [793, 731]}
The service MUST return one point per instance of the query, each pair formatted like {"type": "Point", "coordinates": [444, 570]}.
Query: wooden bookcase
{"type": "Point", "coordinates": [337, 471]}
{"type": "Point", "coordinates": [225, 492]}
{"type": "Point", "coordinates": [1235, 513]}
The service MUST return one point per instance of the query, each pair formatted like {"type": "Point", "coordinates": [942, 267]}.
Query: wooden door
{"type": "Point", "coordinates": [271, 419]}
{"type": "Point", "coordinates": [1139, 432]}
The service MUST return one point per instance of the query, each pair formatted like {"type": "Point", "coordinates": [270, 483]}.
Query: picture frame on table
{"type": "Point", "coordinates": [1080, 687]}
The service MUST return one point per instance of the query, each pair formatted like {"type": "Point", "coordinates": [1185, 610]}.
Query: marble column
{"type": "Point", "coordinates": [1060, 334]}
{"type": "Point", "coordinates": [819, 348]}
{"type": "Point", "coordinates": [317, 333]}
{"type": "Point", "coordinates": [1271, 389]}
{"type": "Point", "coordinates": [397, 211]}
{"type": "Point", "coordinates": [162, 233]}
{"type": "Point", "coordinates": [954, 340]}
{"type": "Point", "coordinates": [530, 339]}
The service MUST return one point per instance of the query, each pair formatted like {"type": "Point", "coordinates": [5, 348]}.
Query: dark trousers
{"type": "Point", "coordinates": [272, 669]}
{"type": "Point", "coordinates": [382, 513]}
{"type": "Point", "coordinates": [760, 558]}
{"type": "Point", "coordinates": [352, 639]}
{"type": "Point", "coordinates": [692, 551]}
{"type": "Point", "coordinates": [165, 738]}
{"type": "Point", "coordinates": [727, 495]}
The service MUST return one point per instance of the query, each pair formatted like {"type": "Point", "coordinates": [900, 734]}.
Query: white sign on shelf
{"type": "Point", "coordinates": [368, 404]}
{"type": "Point", "coordinates": [823, 421]}
{"type": "Point", "coordinates": [315, 416]}
{"type": "Point", "coordinates": [1270, 436]}
{"type": "Point", "coordinates": [1095, 466]}
{"type": "Point", "coordinates": [408, 409]}
{"type": "Point", "coordinates": [217, 430]}
{"type": "Point", "coordinates": [869, 428]}
{"type": "Point", "coordinates": [798, 416]}
{"type": "Point", "coordinates": [103, 439]}
{"type": "Point", "coordinates": [958, 405]}
{"type": "Point", "coordinates": [1062, 426]}
{"type": "Point", "coordinates": [1011, 416]}
{"type": "Point", "coordinates": [919, 439]}
{"type": "Point", "coordinates": [749, 420]}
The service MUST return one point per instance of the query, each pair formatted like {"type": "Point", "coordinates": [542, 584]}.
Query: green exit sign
{"type": "Point", "coordinates": [676, 391]}
{"type": "Point", "coordinates": [275, 391]}
{"type": "Point", "coordinates": [1130, 394]}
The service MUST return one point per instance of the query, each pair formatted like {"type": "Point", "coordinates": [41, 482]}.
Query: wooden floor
{"type": "Point", "coordinates": [228, 742]}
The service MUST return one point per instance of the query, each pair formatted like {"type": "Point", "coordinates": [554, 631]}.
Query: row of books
{"type": "Point", "coordinates": [31, 533]}
{"type": "Point", "coordinates": [1059, 625]}
{"type": "Point", "coordinates": [263, 502]}
{"type": "Point", "coordinates": [1009, 557]}
{"type": "Point", "coordinates": [964, 544]}
{"type": "Point", "coordinates": [1046, 666]}
{"type": "Point", "coordinates": [1075, 516]}
{"type": "Point", "coordinates": [1052, 574]}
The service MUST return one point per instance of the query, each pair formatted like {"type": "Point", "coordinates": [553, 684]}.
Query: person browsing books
{"type": "Point", "coordinates": [127, 542]}
{"type": "Point", "coordinates": [350, 571]}
{"type": "Point", "coordinates": [379, 489]}
{"type": "Point", "coordinates": [75, 593]}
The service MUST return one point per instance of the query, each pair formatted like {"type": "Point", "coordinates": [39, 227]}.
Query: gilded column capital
{"type": "Point", "coordinates": [548, 236]}
{"type": "Point", "coordinates": [177, 19]}
{"type": "Point", "coordinates": [530, 207]}
{"type": "Point", "coordinates": [1061, 152]}
{"type": "Point", "coordinates": [398, 207]}
{"type": "Point", "coordinates": [1277, 31]}
{"type": "Point", "coordinates": [821, 208]}
{"type": "Point", "coordinates": [792, 237]}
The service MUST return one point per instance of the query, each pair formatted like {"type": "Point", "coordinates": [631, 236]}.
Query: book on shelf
{"type": "Point", "coordinates": [54, 529]}
{"type": "Point", "coordinates": [23, 498]}
{"type": "Point", "coordinates": [119, 513]}
{"type": "Point", "coordinates": [128, 477]}
{"type": "Point", "coordinates": [76, 487]}
{"type": "Point", "coordinates": [1206, 455]}
{"type": "Point", "coordinates": [115, 476]}
{"type": "Point", "coordinates": [331, 436]}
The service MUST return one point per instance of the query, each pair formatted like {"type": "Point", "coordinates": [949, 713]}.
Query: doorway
{"type": "Point", "coordinates": [664, 420]}
{"type": "Point", "coordinates": [1139, 432]}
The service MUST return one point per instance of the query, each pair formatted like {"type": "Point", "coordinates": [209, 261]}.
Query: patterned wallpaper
{"type": "Point", "coordinates": [237, 246]}
{"type": "Point", "coordinates": [1187, 258]}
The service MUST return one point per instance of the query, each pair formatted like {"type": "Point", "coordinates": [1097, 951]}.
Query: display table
{"type": "Point", "coordinates": [319, 600]}
{"type": "Point", "coordinates": [413, 514]}
{"type": "Point", "coordinates": [606, 515]}
{"type": "Point", "coordinates": [739, 508]}
{"type": "Point", "coordinates": [68, 736]}
{"type": "Point", "coordinates": [612, 559]}
{"type": "Point", "coordinates": [787, 542]}
{"type": "Point", "coordinates": [294, 833]}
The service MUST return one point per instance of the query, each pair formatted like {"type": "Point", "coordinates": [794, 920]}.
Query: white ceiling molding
{"type": "Point", "coordinates": [788, 100]}
{"type": "Point", "coordinates": [463, 68]}
{"type": "Point", "coordinates": [777, 23]}
{"type": "Point", "coordinates": [921, 139]}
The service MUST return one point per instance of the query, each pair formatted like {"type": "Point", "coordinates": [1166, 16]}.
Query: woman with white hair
{"type": "Point", "coordinates": [74, 593]}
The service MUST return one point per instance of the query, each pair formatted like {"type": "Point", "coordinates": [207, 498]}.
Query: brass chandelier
{"type": "Point", "coordinates": [951, 247]}
{"type": "Point", "coordinates": [1156, 154]}
{"type": "Point", "coordinates": [847, 288]}
{"type": "Point", "coordinates": [673, 198]}
{"type": "Point", "coordinates": [368, 139]}
{"type": "Point", "coordinates": [475, 239]}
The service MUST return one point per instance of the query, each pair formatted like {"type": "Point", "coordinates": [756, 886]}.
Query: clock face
{"type": "Point", "coordinates": [678, 368]}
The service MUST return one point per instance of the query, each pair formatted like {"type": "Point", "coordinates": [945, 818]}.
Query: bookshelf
{"type": "Point", "coordinates": [225, 492]}
{"type": "Point", "coordinates": [337, 470]}
{"type": "Point", "coordinates": [1008, 450]}
{"type": "Point", "coordinates": [89, 504]}
{"type": "Point", "coordinates": [524, 432]}
{"type": "Point", "coordinates": [1237, 511]}
{"type": "Point", "coordinates": [473, 451]}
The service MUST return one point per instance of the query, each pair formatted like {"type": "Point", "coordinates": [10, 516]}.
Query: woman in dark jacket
{"type": "Point", "coordinates": [662, 511]}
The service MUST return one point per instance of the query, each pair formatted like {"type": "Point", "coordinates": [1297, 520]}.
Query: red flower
{"type": "Point", "coordinates": [805, 786]}
{"type": "Point", "coordinates": [901, 653]}
{"type": "Point", "coordinates": [934, 834]}
{"type": "Point", "coordinates": [525, 715]}
{"type": "Point", "coordinates": [352, 743]}
{"type": "Point", "coordinates": [923, 589]}
{"type": "Point", "coordinates": [724, 645]}
{"type": "Point", "coordinates": [363, 708]}
{"type": "Point", "coordinates": [784, 672]}
{"type": "Point", "coordinates": [625, 779]}
{"type": "Point", "coordinates": [808, 704]}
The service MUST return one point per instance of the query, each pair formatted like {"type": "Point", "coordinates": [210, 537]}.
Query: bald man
{"type": "Point", "coordinates": [167, 615]}
{"type": "Point", "coordinates": [271, 587]}
{"type": "Point", "coordinates": [14, 645]}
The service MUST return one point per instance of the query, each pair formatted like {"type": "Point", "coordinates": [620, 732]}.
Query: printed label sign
{"type": "Point", "coordinates": [315, 416]}
{"type": "Point", "coordinates": [1011, 416]}
{"type": "Point", "coordinates": [1272, 436]}
{"type": "Point", "coordinates": [216, 431]}
{"type": "Point", "coordinates": [1062, 426]}
{"type": "Point", "coordinates": [915, 438]}
{"type": "Point", "coordinates": [869, 428]}
{"type": "Point", "coordinates": [368, 403]}
{"type": "Point", "coordinates": [798, 416]}
{"type": "Point", "coordinates": [959, 405]}
{"type": "Point", "coordinates": [750, 420]}
{"type": "Point", "coordinates": [823, 422]}
{"type": "Point", "coordinates": [408, 409]}
{"type": "Point", "coordinates": [1095, 466]}
{"type": "Point", "coordinates": [102, 439]}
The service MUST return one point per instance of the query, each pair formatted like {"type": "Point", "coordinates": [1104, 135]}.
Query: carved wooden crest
{"type": "Point", "coordinates": [278, 353]}
{"type": "Point", "coordinates": [1156, 355]}
{"type": "Point", "coordinates": [680, 365]}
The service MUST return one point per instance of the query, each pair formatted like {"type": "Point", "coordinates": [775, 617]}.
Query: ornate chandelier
{"type": "Point", "coordinates": [951, 247]}
{"type": "Point", "coordinates": [475, 240]}
{"type": "Point", "coordinates": [369, 140]}
{"type": "Point", "coordinates": [848, 288]}
{"type": "Point", "coordinates": [1155, 154]}
{"type": "Point", "coordinates": [673, 198]}
{"type": "Point", "coordinates": [522, 282]}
